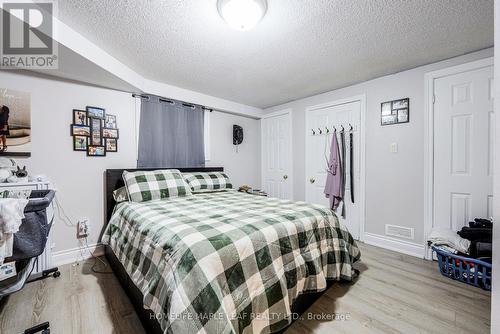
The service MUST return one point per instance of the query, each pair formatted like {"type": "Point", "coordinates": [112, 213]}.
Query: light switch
{"type": "Point", "coordinates": [393, 148]}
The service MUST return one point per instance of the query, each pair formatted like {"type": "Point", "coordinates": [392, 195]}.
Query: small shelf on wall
{"type": "Point", "coordinates": [94, 131]}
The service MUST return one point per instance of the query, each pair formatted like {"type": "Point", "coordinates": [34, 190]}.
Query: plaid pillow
{"type": "Point", "coordinates": [210, 181]}
{"type": "Point", "coordinates": [145, 186]}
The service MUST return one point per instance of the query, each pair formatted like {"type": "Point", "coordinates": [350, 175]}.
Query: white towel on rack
{"type": "Point", "coordinates": [11, 217]}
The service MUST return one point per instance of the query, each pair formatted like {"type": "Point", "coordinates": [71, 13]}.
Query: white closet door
{"type": "Point", "coordinates": [277, 156]}
{"type": "Point", "coordinates": [318, 151]}
{"type": "Point", "coordinates": [463, 147]}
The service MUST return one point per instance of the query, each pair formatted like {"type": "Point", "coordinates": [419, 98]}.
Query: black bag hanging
{"type": "Point", "coordinates": [351, 165]}
{"type": "Point", "coordinates": [343, 152]}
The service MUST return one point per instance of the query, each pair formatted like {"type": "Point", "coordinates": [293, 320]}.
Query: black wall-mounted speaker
{"type": "Point", "coordinates": [237, 134]}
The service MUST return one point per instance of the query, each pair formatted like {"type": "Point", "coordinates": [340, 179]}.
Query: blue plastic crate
{"type": "Point", "coordinates": [467, 270]}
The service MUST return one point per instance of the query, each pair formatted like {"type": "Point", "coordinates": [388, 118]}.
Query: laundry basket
{"type": "Point", "coordinates": [467, 270]}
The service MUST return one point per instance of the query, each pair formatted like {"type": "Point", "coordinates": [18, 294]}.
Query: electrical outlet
{"type": "Point", "coordinates": [83, 228]}
{"type": "Point", "coordinates": [7, 270]}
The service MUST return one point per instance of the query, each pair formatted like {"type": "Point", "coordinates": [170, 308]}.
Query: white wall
{"type": "Point", "coordinates": [495, 296]}
{"type": "Point", "coordinates": [394, 182]}
{"type": "Point", "coordinates": [78, 178]}
{"type": "Point", "coordinates": [242, 165]}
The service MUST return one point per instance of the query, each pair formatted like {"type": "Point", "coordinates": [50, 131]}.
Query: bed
{"type": "Point", "coordinates": [223, 262]}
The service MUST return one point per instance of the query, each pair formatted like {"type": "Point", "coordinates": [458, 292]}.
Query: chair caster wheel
{"type": "Point", "coordinates": [56, 275]}
{"type": "Point", "coordinates": [46, 331]}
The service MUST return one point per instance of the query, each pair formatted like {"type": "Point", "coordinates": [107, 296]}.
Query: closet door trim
{"type": "Point", "coordinates": [362, 133]}
{"type": "Point", "coordinates": [429, 99]}
{"type": "Point", "coordinates": [290, 178]}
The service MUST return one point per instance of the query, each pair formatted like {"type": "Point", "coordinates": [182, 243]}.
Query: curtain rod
{"type": "Point", "coordinates": [161, 99]}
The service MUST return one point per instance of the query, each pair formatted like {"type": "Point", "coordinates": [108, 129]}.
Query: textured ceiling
{"type": "Point", "coordinates": [300, 48]}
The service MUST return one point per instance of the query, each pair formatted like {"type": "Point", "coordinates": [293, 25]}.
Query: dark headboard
{"type": "Point", "coordinates": [114, 181]}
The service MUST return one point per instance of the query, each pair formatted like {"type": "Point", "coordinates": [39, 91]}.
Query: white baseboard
{"type": "Point", "coordinates": [76, 254]}
{"type": "Point", "coordinates": [396, 245]}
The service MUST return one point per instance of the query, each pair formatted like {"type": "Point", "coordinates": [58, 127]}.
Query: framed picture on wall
{"type": "Point", "coordinates": [95, 112]}
{"type": "Point", "coordinates": [110, 133]}
{"type": "Point", "coordinates": [15, 107]}
{"type": "Point", "coordinates": [395, 112]}
{"type": "Point", "coordinates": [400, 104]}
{"type": "Point", "coordinates": [110, 121]}
{"type": "Point", "coordinates": [80, 130]}
{"type": "Point", "coordinates": [389, 119]}
{"type": "Point", "coordinates": [80, 117]}
{"type": "Point", "coordinates": [111, 145]}
{"type": "Point", "coordinates": [386, 109]}
{"type": "Point", "coordinates": [96, 151]}
{"type": "Point", "coordinates": [402, 115]}
{"type": "Point", "coordinates": [80, 143]}
{"type": "Point", "coordinates": [96, 132]}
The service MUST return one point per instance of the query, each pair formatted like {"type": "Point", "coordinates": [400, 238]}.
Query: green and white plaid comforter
{"type": "Point", "coordinates": [228, 262]}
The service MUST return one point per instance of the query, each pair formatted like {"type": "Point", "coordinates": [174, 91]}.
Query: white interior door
{"type": "Point", "coordinates": [277, 156]}
{"type": "Point", "coordinates": [318, 151]}
{"type": "Point", "coordinates": [463, 147]}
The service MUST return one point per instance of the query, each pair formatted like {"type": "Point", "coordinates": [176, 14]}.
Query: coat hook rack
{"type": "Point", "coordinates": [326, 129]}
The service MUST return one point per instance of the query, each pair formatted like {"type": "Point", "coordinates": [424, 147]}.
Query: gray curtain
{"type": "Point", "coordinates": [170, 134]}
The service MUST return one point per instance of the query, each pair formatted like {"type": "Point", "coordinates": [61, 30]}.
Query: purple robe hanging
{"type": "Point", "coordinates": [333, 187]}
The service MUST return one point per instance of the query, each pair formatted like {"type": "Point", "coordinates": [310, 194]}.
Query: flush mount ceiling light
{"type": "Point", "coordinates": [242, 14]}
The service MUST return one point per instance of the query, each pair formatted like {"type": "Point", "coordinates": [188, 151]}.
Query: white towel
{"type": "Point", "coordinates": [447, 237]}
{"type": "Point", "coordinates": [11, 217]}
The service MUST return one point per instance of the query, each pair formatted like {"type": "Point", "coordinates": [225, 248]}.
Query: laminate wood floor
{"type": "Point", "coordinates": [394, 294]}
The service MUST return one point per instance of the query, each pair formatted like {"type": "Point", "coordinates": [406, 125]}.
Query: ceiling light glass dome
{"type": "Point", "coordinates": [242, 14]}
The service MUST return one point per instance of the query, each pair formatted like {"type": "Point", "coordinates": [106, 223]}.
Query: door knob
{"type": "Point", "coordinates": [312, 180]}
{"type": "Point", "coordinates": [285, 177]}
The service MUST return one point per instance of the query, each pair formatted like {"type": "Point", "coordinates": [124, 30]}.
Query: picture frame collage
{"type": "Point", "coordinates": [94, 131]}
{"type": "Point", "coordinates": [395, 112]}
